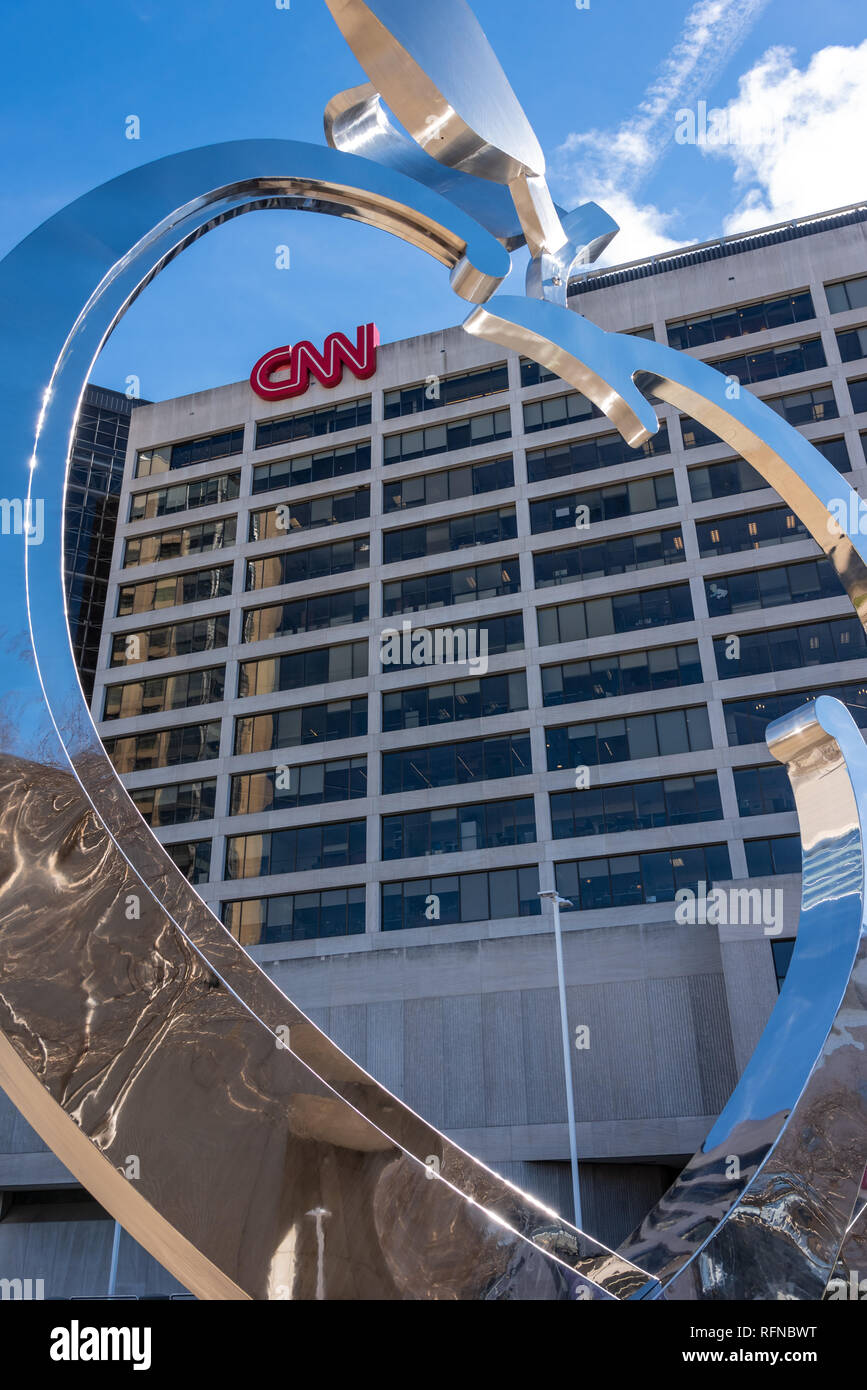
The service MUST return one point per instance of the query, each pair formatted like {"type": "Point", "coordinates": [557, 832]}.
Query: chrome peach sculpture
{"type": "Point", "coordinates": [131, 1022]}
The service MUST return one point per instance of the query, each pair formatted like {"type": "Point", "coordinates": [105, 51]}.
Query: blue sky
{"type": "Point", "coordinates": [602, 86]}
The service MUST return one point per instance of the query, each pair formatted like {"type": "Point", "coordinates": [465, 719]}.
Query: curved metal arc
{"type": "Point", "coordinates": [225, 983]}
{"type": "Point", "coordinates": [784, 1085]}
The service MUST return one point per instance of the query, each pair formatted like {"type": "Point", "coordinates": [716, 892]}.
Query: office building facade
{"type": "Point", "coordinates": [382, 661]}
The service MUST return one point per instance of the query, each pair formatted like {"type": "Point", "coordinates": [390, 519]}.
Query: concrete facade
{"type": "Point", "coordinates": [460, 1019]}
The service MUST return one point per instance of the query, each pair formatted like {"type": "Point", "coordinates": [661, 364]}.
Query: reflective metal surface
{"type": "Point", "coordinates": [131, 1022]}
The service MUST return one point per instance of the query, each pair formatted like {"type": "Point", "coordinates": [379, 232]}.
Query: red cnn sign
{"type": "Point", "coordinates": [302, 359]}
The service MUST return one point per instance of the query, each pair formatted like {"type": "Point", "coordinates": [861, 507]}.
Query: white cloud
{"type": "Point", "coordinates": [796, 137]}
{"type": "Point", "coordinates": [609, 165]}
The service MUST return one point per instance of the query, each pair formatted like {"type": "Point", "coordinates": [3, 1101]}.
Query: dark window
{"type": "Point", "coordinates": [307, 784]}
{"type": "Point", "coordinates": [847, 294]}
{"type": "Point", "coordinates": [193, 858]}
{"type": "Point", "coordinates": [455, 533]}
{"type": "Point", "coordinates": [781, 855]}
{"type": "Point", "coordinates": [805, 407]}
{"type": "Point", "coordinates": [311, 468]}
{"type": "Point", "coordinates": [443, 588]}
{"type": "Point", "coordinates": [301, 724]}
{"type": "Point", "coordinates": [452, 434]}
{"type": "Point", "coordinates": [769, 588]}
{"type": "Point", "coordinates": [607, 741]}
{"type": "Point", "coordinates": [298, 850]}
{"type": "Point", "coordinates": [744, 318]}
{"type": "Point", "coordinates": [660, 668]}
{"type": "Point", "coordinates": [724, 479]}
{"type": "Point", "coordinates": [747, 720]}
{"type": "Point", "coordinates": [629, 612]}
{"type": "Point", "coordinates": [459, 829]}
{"type": "Point", "coordinates": [858, 394]}
{"type": "Point", "coordinates": [789, 358]}
{"type": "Point", "coordinates": [189, 451]}
{"type": "Point", "coordinates": [165, 501]}
{"type": "Point", "coordinates": [553, 411]}
{"type": "Point", "coordinates": [340, 609]}
{"type": "Point", "coordinates": [727, 535]}
{"type": "Point", "coordinates": [424, 902]}
{"type": "Point", "coordinates": [296, 916]}
{"type": "Point", "coordinates": [484, 698]}
{"type": "Point", "coordinates": [600, 451]}
{"type": "Point", "coordinates": [456, 764]}
{"type": "Point", "coordinates": [572, 509]}
{"type": "Point", "coordinates": [763, 791]}
{"type": "Point", "coordinates": [180, 541]}
{"type": "Point", "coordinates": [407, 650]}
{"type": "Point", "coordinates": [782, 954]}
{"type": "Point", "coordinates": [303, 566]}
{"type": "Point", "coordinates": [175, 639]}
{"type": "Point", "coordinates": [651, 877]}
{"type": "Point", "coordinates": [319, 666]}
{"type": "Point", "coordinates": [635, 806]}
{"type": "Point", "coordinates": [852, 344]}
{"type": "Point", "coordinates": [284, 519]}
{"type": "Point", "coordinates": [810, 644]}
{"type": "Point", "coordinates": [182, 690]}
{"type": "Point", "coordinates": [190, 743]}
{"type": "Point", "coordinates": [615, 555]}
{"type": "Point", "coordinates": [173, 590]}
{"type": "Point", "coordinates": [439, 391]}
{"type": "Point", "coordinates": [177, 804]}
{"type": "Point", "coordinates": [327, 419]}
{"type": "Point", "coordinates": [425, 489]}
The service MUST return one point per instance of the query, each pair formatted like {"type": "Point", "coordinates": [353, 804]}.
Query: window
{"type": "Point", "coordinates": [744, 318]}
{"type": "Point", "coordinates": [302, 566]}
{"type": "Point", "coordinates": [311, 468]}
{"type": "Point", "coordinates": [308, 784]}
{"type": "Point", "coordinates": [459, 829]}
{"type": "Point", "coordinates": [302, 724]}
{"type": "Point", "coordinates": [281, 520]}
{"type": "Point", "coordinates": [747, 720]}
{"type": "Point", "coordinates": [193, 858]}
{"type": "Point", "coordinates": [456, 764]}
{"type": "Point", "coordinates": [835, 451]}
{"type": "Point", "coordinates": [628, 612]}
{"type": "Point", "coordinates": [182, 497]}
{"type": "Point", "coordinates": [178, 804]}
{"type": "Point", "coordinates": [603, 503]}
{"type": "Point", "coordinates": [171, 456]}
{"type": "Point", "coordinates": [301, 849]}
{"type": "Point", "coordinates": [533, 373]}
{"type": "Point", "coordinates": [423, 902]}
{"type": "Point", "coordinates": [457, 533]}
{"type": "Point", "coordinates": [319, 666]}
{"type": "Point", "coordinates": [660, 668]}
{"type": "Point", "coordinates": [781, 950]}
{"type": "Point", "coordinates": [445, 646]}
{"type": "Point", "coordinates": [727, 535]}
{"type": "Point", "coordinates": [444, 588]}
{"type": "Point", "coordinates": [190, 743]}
{"type": "Point", "coordinates": [754, 367]}
{"type": "Point", "coordinates": [607, 741]}
{"type": "Point", "coordinates": [781, 855]}
{"type": "Point", "coordinates": [763, 791]}
{"type": "Point", "coordinates": [180, 541]}
{"type": "Point", "coordinates": [340, 609]}
{"type": "Point", "coordinates": [852, 343]}
{"type": "Point", "coordinates": [768, 588]}
{"type": "Point", "coordinates": [696, 435]}
{"type": "Point", "coordinates": [453, 434]}
{"type": "Point", "coordinates": [553, 411]}
{"type": "Point", "coordinates": [439, 391]}
{"type": "Point", "coordinates": [484, 698]}
{"type": "Point", "coordinates": [327, 419]}
{"type": "Point", "coordinates": [724, 480]}
{"type": "Point", "coordinates": [810, 644]}
{"type": "Point", "coordinates": [652, 877]}
{"type": "Point", "coordinates": [615, 555]}
{"type": "Point", "coordinates": [174, 590]}
{"type": "Point", "coordinates": [635, 806]}
{"type": "Point", "coordinates": [296, 916]}
{"type": "Point", "coordinates": [175, 639]}
{"type": "Point", "coordinates": [179, 691]}
{"type": "Point", "coordinates": [600, 451]}
{"type": "Point", "coordinates": [805, 407]}
{"type": "Point", "coordinates": [858, 394]}
{"type": "Point", "coordinates": [847, 294]}
{"type": "Point", "coordinates": [425, 489]}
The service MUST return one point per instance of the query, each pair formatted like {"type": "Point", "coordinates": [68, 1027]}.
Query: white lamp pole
{"type": "Point", "coordinates": [557, 903]}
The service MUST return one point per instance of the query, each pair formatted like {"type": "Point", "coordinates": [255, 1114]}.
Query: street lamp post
{"type": "Point", "coordinates": [557, 903]}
